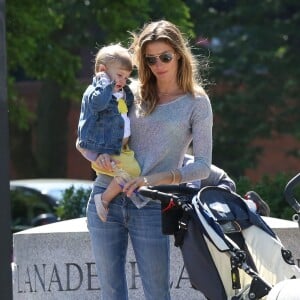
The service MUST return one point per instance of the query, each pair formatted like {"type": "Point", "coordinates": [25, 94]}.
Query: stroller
{"type": "Point", "coordinates": [229, 252]}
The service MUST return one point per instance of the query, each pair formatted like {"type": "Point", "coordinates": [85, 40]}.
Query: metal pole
{"type": "Point", "coordinates": [5, 214]}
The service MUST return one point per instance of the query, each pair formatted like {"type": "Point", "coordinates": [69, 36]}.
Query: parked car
{"type": "Point", "coordinates": [34, 201]}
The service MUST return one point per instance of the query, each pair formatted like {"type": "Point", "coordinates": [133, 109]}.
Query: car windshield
{"type": "Point", "coordinates": [35, 201]}
{"type": "Point", "coordinates": [56, 194]}
{"type": "Point", "coordinates": [26, 205]}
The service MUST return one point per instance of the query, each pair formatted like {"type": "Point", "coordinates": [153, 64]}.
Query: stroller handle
{"type": "Point", "coordinates": [165, 193]}
{"type": "Point", "coordinates": [289, 195]}
{"type": "Point", "coordinates": [155, 194]}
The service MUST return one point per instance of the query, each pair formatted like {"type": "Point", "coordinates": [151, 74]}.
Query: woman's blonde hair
{"type": "Point", "coordinates": [188, 78]}
{"type": "Point", "coordinates": [112, 54]}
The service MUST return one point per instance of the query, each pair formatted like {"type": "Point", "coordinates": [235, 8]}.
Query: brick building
{"type": "Point", "coordinates": [275, 157]}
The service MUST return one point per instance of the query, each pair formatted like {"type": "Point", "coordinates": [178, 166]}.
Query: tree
{"type": "Point", "coordinates": [45, 42]}
{"type": "Point", "coordinates": [253, 47]}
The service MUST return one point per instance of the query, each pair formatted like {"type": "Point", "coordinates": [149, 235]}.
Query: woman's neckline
{"type": "Point", "coordinates": [166, 96]}
{"type": "Point", "coordinates": [172, 100]}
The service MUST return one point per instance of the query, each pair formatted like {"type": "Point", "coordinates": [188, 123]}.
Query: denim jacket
{"type": "Point", "coordinates": [101, 126]}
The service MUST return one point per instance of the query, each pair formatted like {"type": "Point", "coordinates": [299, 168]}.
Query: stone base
{"type": "Point", "coordinates": [55, 261]}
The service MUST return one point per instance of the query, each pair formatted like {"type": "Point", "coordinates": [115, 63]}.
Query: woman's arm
{"type": "Point", "coordinates": [201, 126]}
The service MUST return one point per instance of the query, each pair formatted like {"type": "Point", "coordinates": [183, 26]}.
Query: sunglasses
{"type": "Point", "coordinates": [165, 58]}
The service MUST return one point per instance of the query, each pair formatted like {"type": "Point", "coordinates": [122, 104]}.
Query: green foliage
{"type": "Point", "coordinates": [253, 48]}
{"type": "Point", "coordinates": [176, 11]}
{"type": "Point", "coordinates": [271, 189]}
{"type": "Point", "coordinates": [19, 114]}
{"type": "Point", "coordinates": [45, 42]}
{"type": "Point", "coordinates": [28, 24]}
{"type": "Point", "coordinates": [73, 204]}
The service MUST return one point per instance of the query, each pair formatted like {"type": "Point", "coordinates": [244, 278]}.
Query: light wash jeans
{"type": "Point", "coordinates": [110, 241]}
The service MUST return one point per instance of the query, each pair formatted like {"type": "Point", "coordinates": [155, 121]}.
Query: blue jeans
{"type": "Point", "coordinates": [110, 241]}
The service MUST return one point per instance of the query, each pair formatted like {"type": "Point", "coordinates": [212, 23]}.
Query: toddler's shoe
{"type": "Point", "coordinates": [101, 207]}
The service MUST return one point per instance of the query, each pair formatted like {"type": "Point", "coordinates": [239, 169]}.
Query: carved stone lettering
{"type": "Point", "coordinates": [71, 285]}
{"type": "Point", "coordinates": [28, 280]}
{"type": "Point", "coordinates": [37, 278]}
{"type": "Point", "coordinates": [134, 275]}
{"type": "Point", "coordinates": [40, 278]}
{"type": "Point", "coordinates": [90, 276]}
{"type": "Point", "coordinates": [55, 279]}
{"type": "Point", "coordinates": [18, 279]}
{"type": "Point", "coordinates": [181, 277]}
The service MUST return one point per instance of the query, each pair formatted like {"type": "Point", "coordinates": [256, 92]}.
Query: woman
{"type": "Point", "coordinates": [171, 110]}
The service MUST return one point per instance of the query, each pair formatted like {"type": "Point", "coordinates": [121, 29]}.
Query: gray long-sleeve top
{"type": "Point", "coordinates": [161, 139]}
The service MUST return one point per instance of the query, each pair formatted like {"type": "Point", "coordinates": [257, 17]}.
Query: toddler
{"type": "Point", "coordinates": [104, 127]}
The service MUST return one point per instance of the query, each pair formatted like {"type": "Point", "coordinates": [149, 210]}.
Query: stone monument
{"type": "Point", "coordinates": [55, 261]}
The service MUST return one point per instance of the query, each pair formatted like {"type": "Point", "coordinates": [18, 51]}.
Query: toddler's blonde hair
{"type": "Point", "coordinates": [112, 54]}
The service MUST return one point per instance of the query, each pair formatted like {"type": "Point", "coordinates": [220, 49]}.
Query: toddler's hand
{"type": "Point", "coordinates": [104, 78]}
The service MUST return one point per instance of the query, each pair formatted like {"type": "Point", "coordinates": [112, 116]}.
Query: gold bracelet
{"type": "Point", "coordinates": [173, 176]}
{"type": "Point", "coordinates": [146, 181]}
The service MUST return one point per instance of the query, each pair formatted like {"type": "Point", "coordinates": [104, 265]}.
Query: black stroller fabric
{"type": "Point", "coordinates": [199, 263]}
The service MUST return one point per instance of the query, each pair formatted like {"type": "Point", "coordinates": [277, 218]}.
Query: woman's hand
{"type": "Point", "coordinates": [134, 184]}
{"type": "Point", "coordinates": [171, 177]}
{"type": "Point", "coordinates": [105, 161]}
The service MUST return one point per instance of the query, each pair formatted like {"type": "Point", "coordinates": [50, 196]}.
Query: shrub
{"type": "Point", "coordinates": [73, 204]}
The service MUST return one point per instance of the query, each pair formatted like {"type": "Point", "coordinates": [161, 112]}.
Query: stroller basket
{"type": "Point", "coordinates": [222, 242]}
